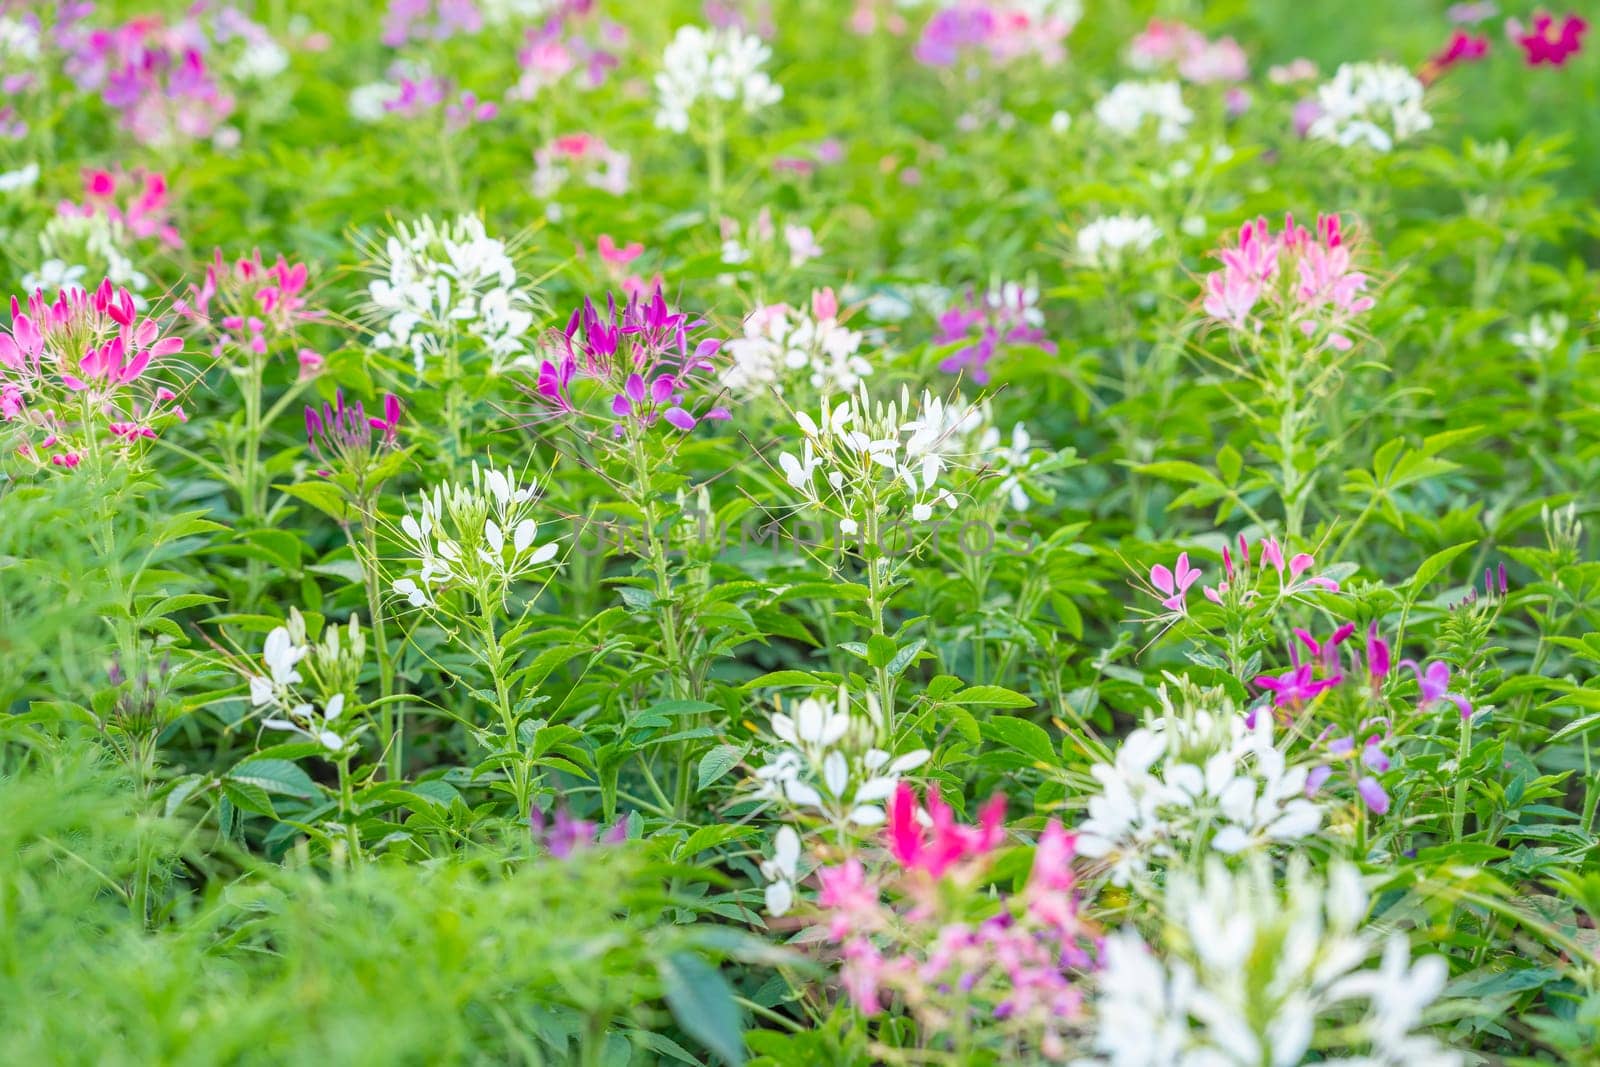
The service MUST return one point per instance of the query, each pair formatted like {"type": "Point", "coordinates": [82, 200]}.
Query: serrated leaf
{"type": "Point", "coordinates": [718, 762]}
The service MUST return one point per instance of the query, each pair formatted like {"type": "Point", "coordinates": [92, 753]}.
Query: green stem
{"type": "Point", "coordinates": [1458, 812]}
{"type": "Point", "coordinates": [494, 659]}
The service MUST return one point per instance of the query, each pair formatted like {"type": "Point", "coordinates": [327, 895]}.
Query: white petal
{"type": "Point", "coordinates": [780, 898]}
{"type": "Point", "coordinates": [786, 850]}
{"type": "Point", "coordinates": [835, 773]}
{"type": "Point", "coordinates": [526, 529]}
{"type": "Point", "coordinates": [867, 815]}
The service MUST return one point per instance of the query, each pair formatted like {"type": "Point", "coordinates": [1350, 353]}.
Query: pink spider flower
{"type": "Point", "coordinates": [136, 201]}
{"type": "Point", "coordinates": [1549, 41]}
{"type": "Point", "coordinates": [1319, 292]}
{"type": "Point", "coordinates": [851, 898]}
{"type": "Point", "coordinates": [257, 304]}
{"type": "Point", "coordinates": [1174, 583]}
{"type": "Point", "coordinates": [557, 52]}
{"type": "Point", "coordinates": [85, 352]}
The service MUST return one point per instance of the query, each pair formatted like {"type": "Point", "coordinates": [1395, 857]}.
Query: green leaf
{"type": "Point", "coordinates": [906, 656]}
{"type": "Point", "coordinates": [1435, 563]}
{"type": "Point", "coordinates": [702, 1002]}
{"type": "Point", "coordinates": [991, 696]}
{"type": "Point", "coordinates": [274, 776]}
{"type": "Point", "coordinates": [681, 707]}
{"type": "Point", "coordinates": [880, 650]}
{"type": "Point", "coordinates": [1026, 737]}
{"type": "Point", "coordinates": [718, 762]}
{"type": "Point", "coordinates": [324, 496]}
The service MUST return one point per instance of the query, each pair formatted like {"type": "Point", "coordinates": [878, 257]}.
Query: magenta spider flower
{"type": "Point", "coordinates": [1175, 583]}
{"type": "Point", "coordinates": [1463, 47]}
{"type": "Point", "coordinates": [341, 435]}
{"type": "Point", "coordinates": [1002, 316]}
{"type": "Point", "coordinates": [1303, 683]}
{"type": "Point", "coordinates": [1377, 657]}
{"type": "Point", "coordinates": [950, 842]}
{"type": "Point", "coordinates": [565, 834]}
{"type": "Point", "coordinates": [1550, 42]}
{"type": "Point", "coordinates": [1434, 681]}
{"type": "Point", "coordinates": [640, 357]}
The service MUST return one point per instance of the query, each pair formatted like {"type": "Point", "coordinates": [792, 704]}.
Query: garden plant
{"type": "Point", "coordinates": [799, 532]}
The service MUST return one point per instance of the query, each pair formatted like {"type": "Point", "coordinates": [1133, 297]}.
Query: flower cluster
{"type": "Point", "coordinates": [878, 464]}
{"type": "Point", "coordinates": [1127, 109]}
{"type": "Point", "coordinates": [826, 762]}
{"type": "Point", "coordinates": [1221, 782]}
{"type": "Point", "coordinates": [1376, 104]}
{"type": "Point", "coordinates": [479, 535]}
{"type": "Point", "coordinates": [1304, 278]}
{"type": "Point", "coordinates": [136, 202]}
{"type": "Point", "coordinates": [428, 20]}
{"type": "Point", "coordinates": [353, 445]}
{"type": "Point", "coordinates": [782, 345]}
{"type": "Point", "coordinates": [1003, 31]}
{"type": "Point", "coordinates": [1195, 56]}
{"type": "Point", "coordinates": [281, 690]}
{"type": "Point", "coordinates": [554, 53]}
{"type": "Point", "coordinates": [82, 367]}
{"type": "Point", "coordinates": [1269, 576]}
{"type": "Point", "coordinates": [583, 157]}
{"type": "Point", "coordinates": [709, 68]}
{"type": "Point", "coordinates": [163, 80]}
{"type": "Point", "coordinates": [758, 240]}
{"type": "Point", "coordinates": [1001, 316]}
{"type": "Point", "coordinates": [1549, 41]}
{"type": "Point", "coordinates": [249, 307]}
{"type": "Point", "coordinates": [447, 288]}
{"type": "Point", "coordinates": [1362, 719]}
{"type": "Point", "coordinates": [1251, 973]}
{"type": "Point", "coordinates": [1007, 972]}
{"type": "Point", "coordinates": [640, 360]}
{"type": "Point", "coordinates": [1109, 243]}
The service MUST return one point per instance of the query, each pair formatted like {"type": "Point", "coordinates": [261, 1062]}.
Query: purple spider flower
{"type": "Point", "coordinates": [564, 834]}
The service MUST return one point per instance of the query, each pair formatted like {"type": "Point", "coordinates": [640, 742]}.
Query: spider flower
{"type": "Point", "coordinates": [633, 367]}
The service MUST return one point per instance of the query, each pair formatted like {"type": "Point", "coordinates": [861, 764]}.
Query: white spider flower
{"type": "Point", "coordinates": [1112, 241]}
{"type": "Point", "coordinates": [1234, 787]}
{"type": "Point", "coordinates": [1253, 973]}
{"type": "Point", "coordinates": [1130, 105]}
{"type": "Point", "coordinates": [1376, 104]}
{"type": "Point", "coordinates": [449, 285]}
{"type": "Point", "coordinates": [480, 534]}
{"type": "Point", "coordinates": [303, 719]}
{"type": "Point", "coordinates": [721, 66]}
